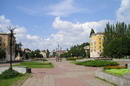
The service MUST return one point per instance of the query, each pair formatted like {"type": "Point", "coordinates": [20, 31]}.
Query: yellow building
{"type": "Point", "coordinates": [5, 45]}
{"type": "Point", "coordinates": [96, 45]}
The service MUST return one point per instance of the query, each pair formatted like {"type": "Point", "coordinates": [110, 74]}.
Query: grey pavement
{"type": "Point", "coordinates": [65, 74]}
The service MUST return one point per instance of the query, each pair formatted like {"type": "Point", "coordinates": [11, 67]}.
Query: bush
{"type": "Point", "coordinates": [9, 74]}
{"type": "Point", "coordinates": [81, 63]}
{"type": "Point", "coordinates": [97, 63]}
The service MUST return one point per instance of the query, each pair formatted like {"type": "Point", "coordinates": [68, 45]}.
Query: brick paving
{"type": "Point", "coordinates": [64, 74]}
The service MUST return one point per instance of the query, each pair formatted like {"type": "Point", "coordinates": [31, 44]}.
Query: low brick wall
{"type": "Point", "coordinates": [128, 66]}
{"type": "Point", "coordinates": [120, 81]}
{"type": "Point", "coordinates": [19, 69]}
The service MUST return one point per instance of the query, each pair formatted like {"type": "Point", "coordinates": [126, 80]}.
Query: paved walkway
{"type": "Point", "coordinates": [65, 74]}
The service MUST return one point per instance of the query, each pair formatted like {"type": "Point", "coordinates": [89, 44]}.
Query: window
{"type": "Point", "coordinates": [0, 39]}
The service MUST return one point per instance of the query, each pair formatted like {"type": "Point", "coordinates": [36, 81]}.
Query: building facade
{"type": "Point", "coordinates": [87, 48]}
{"type": "Point", "coordinates": [96, 45]}
{"type": "Point", "coordinates": [43, 52]}
{"type": "Point", "coordinates": [5, 45]}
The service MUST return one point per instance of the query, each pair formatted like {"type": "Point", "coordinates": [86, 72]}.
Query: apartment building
{"type": "Point", "coordinates": [96, 45]}
{"type": "Point", "coordinates": [5, 45]}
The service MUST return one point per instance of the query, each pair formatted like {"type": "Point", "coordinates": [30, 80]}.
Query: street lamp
{"type": "Point", "coordinates": [11, 35]}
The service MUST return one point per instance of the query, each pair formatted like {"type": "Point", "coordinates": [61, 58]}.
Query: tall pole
{"type": "Point", "coordinates": [11, 35]}
{"type": "Point", "coordinates": [58, 53]}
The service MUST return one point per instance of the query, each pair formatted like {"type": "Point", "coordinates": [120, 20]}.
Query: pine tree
{"type": "Point", "coordinates": [92, 32]}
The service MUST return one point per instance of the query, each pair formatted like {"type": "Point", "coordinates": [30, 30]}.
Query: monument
{"type": "Point", "coordinates": [18, 57]}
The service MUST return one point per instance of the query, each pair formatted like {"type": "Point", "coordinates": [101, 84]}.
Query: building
{"type": "Point", "coordinates": [43, 52]}
{"type": "Point", "coordinates": [96, 45]}
{"type": "Point", "coordinates": [87, 48]}
{"type": "Point", "coordinates": [5, 45]}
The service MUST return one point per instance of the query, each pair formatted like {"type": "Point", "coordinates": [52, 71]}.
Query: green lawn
{"type": "Point", "coordinates": [12, 81]}
{"type": "Point", "coordinates": [117, 72]}
{"type": "Point", "coordinates": [36, 64]}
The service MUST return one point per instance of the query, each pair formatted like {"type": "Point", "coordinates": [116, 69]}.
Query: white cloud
{"type": "Point", "coordinates": [75, 33]}
{"type": "Point", "coordinates": [4, 23]}
{"type": "Point", "coordinates": [32, 37]}
{"type": "Point", "coordinates": [64, 8]}
{"type": "Point", "coordinates": [123, 13]}
{"type": "Point", "coordinates": [68, 34]}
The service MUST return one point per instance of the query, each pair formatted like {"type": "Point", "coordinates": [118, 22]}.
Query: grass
{"type": "Point", "coordinates": [36, 64]}
{"type": "Point", "coordinates": [117, 72]}
{"type": "Point", "coordinates": [39, 59]}
{"type": "Point", "coordinates": [97, 63]}
{"type": "Point", "coordinates": [14, 81]}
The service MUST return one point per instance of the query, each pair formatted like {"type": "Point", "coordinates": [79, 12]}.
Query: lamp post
{"type": "Point", "coordinates": [11, 35]}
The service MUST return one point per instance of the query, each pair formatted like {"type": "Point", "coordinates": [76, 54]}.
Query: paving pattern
{"type": "Point", "coordinates": [64, 74]}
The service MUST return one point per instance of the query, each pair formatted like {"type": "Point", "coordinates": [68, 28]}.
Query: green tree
{"type": "Point", "coordinates": [2, 54]}
{"type": "Point", "coordinates": [48, 53]}
{"type": "Point", "coordinates": [35, 54]}
{"type": "Point", "coordinates": [116, 40]}
{"type": "Point", "coordinates": [92, 32]}
{"type": "Point", "coordinates": [76, 51]}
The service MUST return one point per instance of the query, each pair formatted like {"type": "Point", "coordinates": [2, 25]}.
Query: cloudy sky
{"type": "Point", "coordinates": [43, 24]}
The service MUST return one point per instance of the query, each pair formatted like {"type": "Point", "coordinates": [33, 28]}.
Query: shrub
{"type": "Point", "coordinates": [97, 63]}
{"type": "Point", "coordinates": [9, 74]}
{"type": "Point", "coordinates": [81, 63]}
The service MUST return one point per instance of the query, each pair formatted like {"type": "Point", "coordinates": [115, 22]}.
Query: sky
{"type": "Point", "coordinates": [43, 24]}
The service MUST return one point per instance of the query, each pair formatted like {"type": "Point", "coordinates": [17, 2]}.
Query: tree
{"type": "Point", "coordinates": [18, 47]}
{"type": "Point", "coordinates": [92, 32]}
{"type": "Point", "coordinates": [2, 54]}
{"type": "Point", "coordinates": [116, 40]}
{"type": "Point", "coordinates": [76, 51]}
{"type": "Point", "coordinates": [35, 54]}
{"type": "Point", "coordinates": [48, 53]}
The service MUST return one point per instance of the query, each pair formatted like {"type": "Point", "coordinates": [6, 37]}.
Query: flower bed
{"type": "Point", "coordinates": [115, 67]}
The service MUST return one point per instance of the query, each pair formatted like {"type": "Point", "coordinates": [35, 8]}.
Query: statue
{"type": "Point", "coordinates": [18, 57]}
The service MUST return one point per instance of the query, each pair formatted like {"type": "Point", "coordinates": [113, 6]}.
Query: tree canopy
{"type": "Point", "coordinates": [76, 51]}
{"type": "Point", "coordinates": [117, 40]}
